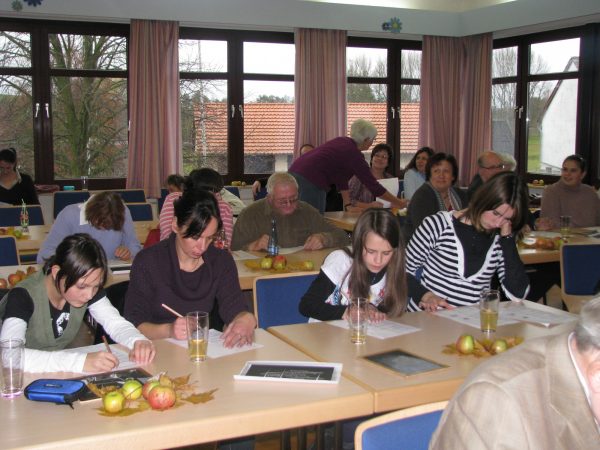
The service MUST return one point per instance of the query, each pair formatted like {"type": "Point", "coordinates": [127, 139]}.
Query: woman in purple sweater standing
{"type": "Point", "coordinates": [335, 162]}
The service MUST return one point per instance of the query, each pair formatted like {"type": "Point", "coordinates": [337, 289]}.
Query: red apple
{"type": "Point", "coordinates": [31, 270]}
{"type": "Point", "coordinates": [148, 386]}
{"type": "Point", "coordinates": [132, 389]}
{"type": "Point", "coordinates": [3, 283]}
{"type": "Point", "coordinates": [266, 262]}
{"type": "Point", "coordinates": [14, 279]}
{"type": "Point", "coordinates": [161, 397]}
{"type": "Point", "coordinates": [465, 344]}
{"type": "Point", "coordinates": [279, 262]}
{"type": "Point", "coordinates": [113, 402]}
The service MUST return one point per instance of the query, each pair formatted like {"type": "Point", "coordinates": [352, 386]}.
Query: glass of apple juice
{"type": "Point", "coordinates": [489, 302]}
{"type": "Point", "coordinates": [197, 335]}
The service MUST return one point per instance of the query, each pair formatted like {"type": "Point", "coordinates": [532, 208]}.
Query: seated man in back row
{"type": "Point", "coordinates": [298, 223]}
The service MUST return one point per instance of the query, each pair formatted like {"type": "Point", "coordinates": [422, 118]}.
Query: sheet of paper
{"type": "Point", "coordinates": [215, 345]}
{"type": "Point", "coordinates": [383, 330]}
{"type": "Point", "coordinates": [240, 255]}
{"type": "Point", "coordinates": [122, 356]}
{"type": "Point", "coordinates": [290, 250]}
{"type": "Point", "coordinates": [510, 312]}
{"type": "Point", "coordinates": [392, 185]}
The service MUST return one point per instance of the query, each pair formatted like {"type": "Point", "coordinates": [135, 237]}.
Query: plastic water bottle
{"type": "Point", "coordinates": [24, 217]}
{"type": "Point", "coordinates": [273, 248]}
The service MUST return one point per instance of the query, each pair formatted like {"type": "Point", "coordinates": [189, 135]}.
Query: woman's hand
{"type": "Point", "coordinates": [143, 352]}
{"type": "Point", "coordinates": [375, 316]}
{"type": "Point", "coordinates": [240, 331]}
{"type": "Point", "coordinates": [179, 329]}
{"type": "Point", "coordinates": [122, 253]}
{"type": "Point", "coordinates": [255, 188]}
{"type": "Point", "coordinates": [431, 302]}
{"type": "Point", "coordinates": [100, 362]}
{"type": "Point", "coordinates": [506, 229]}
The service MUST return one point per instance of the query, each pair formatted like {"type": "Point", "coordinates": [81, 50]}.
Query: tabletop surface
{"type": "Point", "coordinates": [239, 408]}
{"type": "Point", "coordinates": [325, 342]}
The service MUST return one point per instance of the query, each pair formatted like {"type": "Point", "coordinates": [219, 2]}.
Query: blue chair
{"type": "Point", "coordinates": [132, 195]}
{"type": "Point", "coordinates": [407, 429]}
{"type": "Point", "coordinates": [140, 211]}
{"type": "Point", "coordinates": [276, 298]}
{"type": "Point", "coordinates": [580, 275]}
{"type": "Point", "coordinates": [9, 256]}
{"type": "Point", "coordinates": [234, 190]}
{"type": "Point", "coordinates": [65, 198]}
{"type": "Point", "coordinates": [161, 200]}
{"type": "Point", "coordinates": [10, 216]}
{"type": "Point", "coordinates": [262, 193]}
{"type": "Point", "coordinates": [400, 189]}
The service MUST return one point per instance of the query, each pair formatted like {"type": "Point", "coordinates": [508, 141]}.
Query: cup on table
{"type": "Point", "coordinates": [12, 352]}
{"type": "Point", "coordinates": [358, 319]}
{"type": "Point", "coordinates": [197, 335]}
{"type": "Point", "coordinates": [565, 226]}
{"type": "Point", "coordinates": [489, 302]}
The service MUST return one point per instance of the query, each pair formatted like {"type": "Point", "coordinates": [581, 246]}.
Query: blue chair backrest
{"type": "Point", "coordinates": [10, 216]}
{"type": "Point", "coordinates": [163, 194]}
{"type": "Point", "coordinates": [262, 193]}
{"type": "Point", "coordinates": [277, 299]}
{"type": "Point", "coordinates": [234, 190]}
{"type": "Point", "coordinates": [65, 198]}
{"type": "Point", "coordinates": [9, 256]}
{"type": "Point", "coordinates": [140, 211]}
{"type": "Point", "coordinates": [400, 187]}
{"type": "Point", "coordinates": [132, 195]}
{"type": "Point", "coordinates": [410, 433]}
{"type": "Point", "coordinates": [581, 269]}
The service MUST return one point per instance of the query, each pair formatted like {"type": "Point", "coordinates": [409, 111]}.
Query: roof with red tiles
{"type": "Point", "coordinates": [269, 127]}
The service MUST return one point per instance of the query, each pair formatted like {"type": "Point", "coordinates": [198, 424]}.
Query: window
{"type": "Point", "coordinates": [237, 96]}
{"type": "Point", "coordinates": [66, 114]}
{"type": "Point", "coordinates": [383, 87]}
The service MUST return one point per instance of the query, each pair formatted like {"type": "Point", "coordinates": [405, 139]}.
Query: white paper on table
{"type": "Point", "coordinates": [240, 255]}
{"type": "Point", "coordinates": [123, 357]}
{"type": "Point", "coordinates": [510, 312]}
{"type": "Point", "coordinates": [382, 330]}
{"type": "Point", "coordinates": [290, 250]}
{"type": "Point", "coordinates": [216, 349]}
{"type": "Point", "coordinates": [392, 185]}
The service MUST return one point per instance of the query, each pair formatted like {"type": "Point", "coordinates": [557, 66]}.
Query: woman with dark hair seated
{"type": "Point", "coordinates": [15, 187]}
{"type": "Point", "coordinates": [414, 172]}
{"type": "Point", "coordinates": [437, 194]}
{"type": "Point", "coordinates": [189, 274]}
{"type": "Point", "coordinates": [104, 217]}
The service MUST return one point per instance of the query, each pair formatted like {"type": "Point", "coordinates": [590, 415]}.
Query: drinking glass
{"type": "Point", "coordinates": [12, 354]}
{"type": "Point", "coordinates": [489, 302]}
{"type": "Point", "coordinates": [197, 335]}
{"type": "Point", "coordinates": [358, 319]}
{"type": "Point", "coordinates": [565, 226]}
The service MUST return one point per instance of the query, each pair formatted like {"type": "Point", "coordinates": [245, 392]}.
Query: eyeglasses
{"type": "Point", "coordinates": [282, 202]}
{"type": "Point", "coordinates": [498, 166]}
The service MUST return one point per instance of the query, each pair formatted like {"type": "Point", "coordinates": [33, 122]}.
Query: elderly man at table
{"type": "Point", "coordinates": [298, 223]}
{"type": "Point", "coordinates": [544, 394]}
{"type": "Point", "coordinates": [489, 164]}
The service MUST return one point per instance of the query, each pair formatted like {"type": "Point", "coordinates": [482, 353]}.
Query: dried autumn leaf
{"type": "Point", "coordinates": [200, 398]}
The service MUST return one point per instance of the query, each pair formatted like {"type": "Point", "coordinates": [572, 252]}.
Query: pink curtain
{"type": "Point", "coordinates": [155, 135]}
{"type": "Point", "coordinates": [456, 87]}
{"type": "Point", "coordinates": [320, 86]}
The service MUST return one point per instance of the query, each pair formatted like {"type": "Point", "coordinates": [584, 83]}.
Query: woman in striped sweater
{"type": "Point", "coordinates": [458, 253]}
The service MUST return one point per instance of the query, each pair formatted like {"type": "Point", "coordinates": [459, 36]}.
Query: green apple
{"type": "Point", "coordinates": [132, 389]}
{"type": "Point", "coordinates": [499, 346]}
{"type": "Point", "coordinates": [113, 402]}
{"type": "Point", "coordinates": [308, 265]}
{"type": "Point", "coordinates": [266, 262]}
{"type": "Point", "coordinates": [465, 344]}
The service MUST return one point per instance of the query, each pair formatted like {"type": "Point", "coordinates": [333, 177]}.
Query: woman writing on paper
{"type": "Point", "coordinates": [188, 273]}
{"type": "Point", "coordinates": [457, 253]}
{"type": "Point", "coordinates": [47, 309]}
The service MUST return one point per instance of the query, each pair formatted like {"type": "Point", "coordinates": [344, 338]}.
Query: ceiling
{"type": "Point", "coordinates": [417, 17]}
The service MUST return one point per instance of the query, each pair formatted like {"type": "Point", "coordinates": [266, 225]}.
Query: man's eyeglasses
{"type": "Point", "coordinates": [282, 202]}
{"type": "Point", "coordinates": [496, 167]}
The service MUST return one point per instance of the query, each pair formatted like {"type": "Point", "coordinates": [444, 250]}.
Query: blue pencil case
{"type": "Point", "coordinates": [55, 391]}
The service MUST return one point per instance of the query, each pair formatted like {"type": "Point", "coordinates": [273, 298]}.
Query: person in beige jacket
{"type": "Point", "coordinates": [543, 394]}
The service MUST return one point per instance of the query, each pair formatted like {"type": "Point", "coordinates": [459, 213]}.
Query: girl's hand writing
{"type": "Point", "coordinates": [100, 362]}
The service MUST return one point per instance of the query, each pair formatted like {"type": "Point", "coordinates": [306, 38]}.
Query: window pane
{"type": "Point", "coordinates": [409, 123]}
{"type": "Point", "coordinates": [552, 107]}
{"type": "Point", "coordinates": [366, 62]}
{"type": "Point", "coordinates": [202, 56]}
{"type": "Point", "coordinates": [555, 56]}
{"type": "Point", "coordinates": [503, 117]}
{"type": "Point", "coordinates": [15, 49]}
{"type": "Point", "coordinates": [204, 124]}
{"type": "Point", "coordinates": [70, 51]}
{"type": "Point", "coordinates": [368, 101]}
{"type": "Point", "coordinates": [263, 57]}
{"type": "Point", "coordinates": [268, 126]}
{"type": "Point", "coordinates": [16, 126]}
{"type": "Point", "coordinates": [504, 62]}
{"type": "Point", "coordinates": [89, 124]}
{"type": "Point", "coordinates": [411, 64]}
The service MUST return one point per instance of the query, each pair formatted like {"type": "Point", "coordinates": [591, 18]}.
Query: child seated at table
{"type": "Point", "coordinates": [47, 309]}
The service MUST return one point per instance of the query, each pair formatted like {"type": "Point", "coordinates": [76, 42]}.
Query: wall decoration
{"type": "Point", "coordinates": [17, 5]}
{"type": "Point", "coordinates": [393, 25]}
